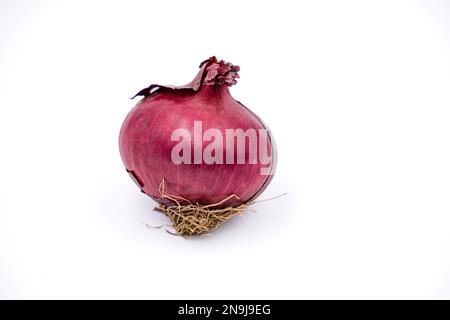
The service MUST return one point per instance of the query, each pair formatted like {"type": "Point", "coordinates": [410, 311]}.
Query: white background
{"type": "Point", "coordinates": [357, 94]}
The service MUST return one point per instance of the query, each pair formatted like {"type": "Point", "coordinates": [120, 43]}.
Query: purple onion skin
{"type": "Point", "coordinates": [146, 146]}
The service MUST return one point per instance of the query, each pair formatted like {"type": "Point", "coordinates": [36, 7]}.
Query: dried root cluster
{"type": "Point", "coordinates": [196, 219]}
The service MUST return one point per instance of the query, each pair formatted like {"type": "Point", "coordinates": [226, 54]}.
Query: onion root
{"type": "Point", "coordinates": [195, 219]}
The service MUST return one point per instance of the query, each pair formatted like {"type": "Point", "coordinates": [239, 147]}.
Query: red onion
{"type": "Point", "coordinates": [183, 136]}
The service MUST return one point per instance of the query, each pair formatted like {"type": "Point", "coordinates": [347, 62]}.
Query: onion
{"type": "Point", "coordinates": [196, 150]}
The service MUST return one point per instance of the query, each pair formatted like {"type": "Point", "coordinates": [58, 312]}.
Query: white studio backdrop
{"type": "Point", "coordinates": [357, 94]}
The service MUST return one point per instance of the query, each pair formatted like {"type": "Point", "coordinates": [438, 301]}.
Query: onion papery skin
{"type": "Point", "coordinates": [146, 146]}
